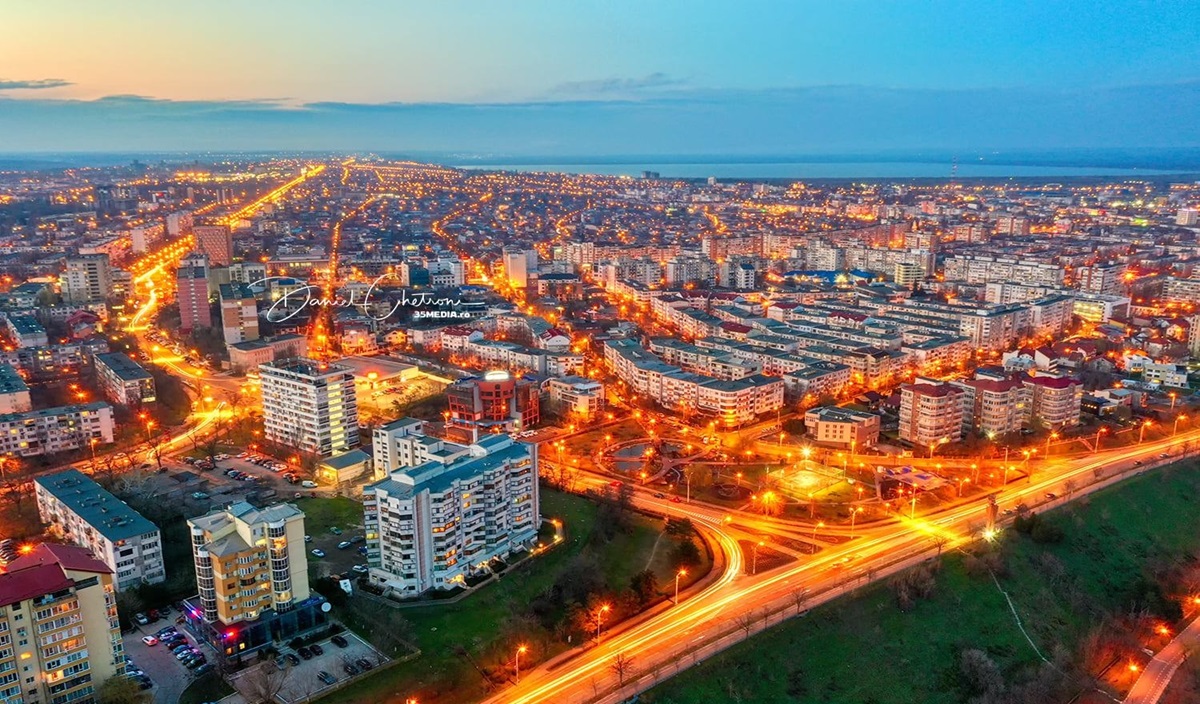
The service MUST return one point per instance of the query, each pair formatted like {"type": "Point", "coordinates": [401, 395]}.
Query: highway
{"type": "Point", "coordinates": [666, 643]}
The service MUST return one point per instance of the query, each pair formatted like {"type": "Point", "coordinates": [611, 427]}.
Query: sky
{"type": "Point", "coordinates": [599, 77]}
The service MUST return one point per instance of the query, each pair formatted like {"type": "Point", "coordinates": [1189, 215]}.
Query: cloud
{"type": "Point", "coordinates": [606, 87]}
{"type": "Point", "coordinates": [36, 84]}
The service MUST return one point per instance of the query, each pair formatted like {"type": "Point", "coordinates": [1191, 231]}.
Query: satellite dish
{"type": "Point", "coordinates": [326, 607]}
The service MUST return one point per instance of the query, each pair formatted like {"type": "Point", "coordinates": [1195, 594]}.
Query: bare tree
{"type": "Point", "coordinates": [800, 598]}
{"type": "Point", "coordinates": [745, 621]}
{"type": "Point", "coordinates": [940, 542]}
{"type": "Point", "coordinates": [261, 685]}
{"type": "Point", "coordinates": [622, 667]}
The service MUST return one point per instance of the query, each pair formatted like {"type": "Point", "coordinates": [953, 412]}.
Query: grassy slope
{"type": "Point", "coordinates": [863, 649]}
{"type": "Point", "coordinates": [439, 676]}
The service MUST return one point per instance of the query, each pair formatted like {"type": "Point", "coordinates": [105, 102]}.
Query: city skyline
{"type": "Point", "coordinates": [540, 79]}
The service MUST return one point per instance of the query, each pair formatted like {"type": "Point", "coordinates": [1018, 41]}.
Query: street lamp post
{"type": "Point", "coordinates": [820, 524]}
{"type": "Point", "coordinates": [517, 661]}
{"type": "Point", "coordinates": [1096, 445]}
{"type": "Point", "coordinates": [1177, 419]}
{"type": "Point", "coordinates": [600, 620]}
{"type": "Point", "coordinates": [853, 515]}
{"type": "Point", "coordinates": [1142, 432]}
{"type": "Point", "coordinates": [754, 561]}
{"type": "Point", "coordinates": [680, 573]}
{"type": "Point", "coordinates": [1052, 436]}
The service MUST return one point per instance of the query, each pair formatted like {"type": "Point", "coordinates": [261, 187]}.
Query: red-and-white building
{"type": "Point", "coordinates": [930, 414]}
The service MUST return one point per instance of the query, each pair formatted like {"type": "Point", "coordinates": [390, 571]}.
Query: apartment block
{"type": "Point", "coordinates": [51, 430]}
{"type": "Point", "coordinates": [83, 513]}
{"type": "Point", "coordinates": [14, 393]}
{"type": "Point", "coordinates": [495, 402]}
{"type": "Point", "coordinates": [309, 405]}
{"type": "Point", "coordinates": [124, 381]}
{"type": "Point", "coordinates": [252, 577]}
{"type": "Point", "coordinates": [1055, 402]}
{"type": "Point", "coordinates": [59, 634]}
{"type": "Point", "coordinates": [930, 414]}
{"type": "Point", "coordinates": [842, 427]}
{"type": "Point", "coordinates": [575, 396]}
{"type": "Point", "coordinates": [432, 523]}
{"type": "Point", "coordinates": [88, 278]}
{"type": "Point", "coordinates": [216, 241]}
{"type": "Point", "coordinates": [239, 313]}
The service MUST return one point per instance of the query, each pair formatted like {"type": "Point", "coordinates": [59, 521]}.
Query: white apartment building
{"type": "Point", "coordinates": [309, 405]}
{"type": "Point", "coordinates": [125, 382]}
{"type": "Point", "coordinates": [576, 395]}
{"type": "Point", "coordinates": [51, 430]}
{"type": "Point", "coordinates": [88, 278]}
{"type": "Point", "coordinates": [83, 513]}
{"type": "Point", "coordinates": [432, 524]}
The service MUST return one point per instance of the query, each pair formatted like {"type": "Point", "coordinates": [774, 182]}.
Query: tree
{"type": "Point", "coordinates": [622, 667]}
{"type": "Point", "coordinates": [686, 554]}
{"type": "Point", "coordinates": [644, 586]}
{"type": "Point", "coordinates": [262, 684]}
{"type": "Point", "coordinates": [121, 690]}
{"type": "Point", "coordinates": [745, 621]}
{"type": "Point", "coordinates": [800, 598]}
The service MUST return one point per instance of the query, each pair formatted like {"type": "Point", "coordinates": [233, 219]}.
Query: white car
{"type": "Point", "coordinates": [318, 552]}
{"type": "Point", "coordinates": [149, 640]}
{"type": "Point", "coordinates": [308, 484]}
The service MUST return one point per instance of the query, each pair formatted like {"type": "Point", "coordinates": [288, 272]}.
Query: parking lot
{"type": "Point", "coordinates": [168, 674]}
{"type": "Point", "coordinates": [337, 560]}
{"type": "Point", "coordinates": [299, 677]}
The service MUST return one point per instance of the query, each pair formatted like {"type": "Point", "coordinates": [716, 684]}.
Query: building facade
{"type": "Point", "coordinates": [88, 278]}
{"type": "Point", "coordinates": [309, 405]}
{"type": "Point", "coordinates": [495, 402]}
{"type": "Point", "coordinates": [191, 290]}
{"type": "Point", "coordinates": [83, 513]}
{"type": "Point", "coordinates": [59, 634]}
{"type": "Point", "coordinates": [252, 577]}
{"type": "Point", "coordinates": [930, 415]}
{"type": "Point", "coordinates": [436, 522]}
{"type": "Point", "coordinates": [51, 430]}
{"type": "Point", "coordinates": [239, 313]}
{"type": "Point", "coordinates": [842, 427]}
{"type": "Point", "coordinates": [216, 241]}
{"type": "Point", "coordinates": [125, 382]}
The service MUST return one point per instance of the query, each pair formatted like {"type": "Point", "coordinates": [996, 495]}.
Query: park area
{"type": "Point", "coordinates": [466, 648]}
{"type": "Point", "coordinates": [943, 633]}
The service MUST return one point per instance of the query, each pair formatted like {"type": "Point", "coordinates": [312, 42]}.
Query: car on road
{"type": "Point", "coordinates": [1137, 463]}
{"type": "Point", "coordinates": [339, 641]}
{"type": "Point", "coordinates": [318, 552]}
{"type": "Point", "coordinates": [676, 500]}
{"type": "Point", "coordinates": [326, 677]}
{"type": "Point", "coordinates": [1051, 496]}
{"type": "Point", "coordinates": [616, 485]}
{"type": "Point", "coordinates": [1164, 456]}
{"type": "Point", "coordinates": [149, 640]}
{"type": "Point", "coordinates": [344, 544]}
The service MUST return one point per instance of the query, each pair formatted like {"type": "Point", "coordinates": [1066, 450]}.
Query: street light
{"type": "Point", "coordinates": [1177, 419]}
{"type": "Point", "coordinates": [680, 573]}
{"type": "Point", "coordinates": [820, 524]}
{"type": "Point", "coordinates": [1142, 432]}
{"type": "Point", "coordinates": [1052, 436]}
{"type": "Point", "coordinates": [600, 619]}
{"type": "Point", "coordinates": [521, 650]}
{"type": "Point", "coordinates": [754, 562]}
{"type": "Point", "coordinates": [853, 515]}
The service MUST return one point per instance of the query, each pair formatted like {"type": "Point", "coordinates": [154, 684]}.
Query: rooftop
{"type": "Point", "coordinates": [105, 513]}
{"type": "Point", "coordinates": [125, 368]}
{"type": "Point", "coordinates": [10, 381]}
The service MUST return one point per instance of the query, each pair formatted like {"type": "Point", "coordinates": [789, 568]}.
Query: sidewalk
{"type": "Point", "coordinates": [1157, 675]}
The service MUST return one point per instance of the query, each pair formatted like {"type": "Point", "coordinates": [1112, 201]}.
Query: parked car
{"type": "Point", "coordinates": [204, 669]}
{"type": "Point", "coordinates": [318, 552]}
{"type": "Point", "coordinates": [199, 495]}
{"type": "Point", "coordinates": [335, 530]}
{"type": "Point", "coordinates": [360, 569]}
{"type": "Point", "coordinates": [358, 539]}
{"type": "Point", "coordinates": [362, 550]}
{"type": "Point", "coordinates": [316, 649]}
{"type": "Point", "coordinates": [339, 641]}
{"type": "Point", "coordinates": [304, 653]}
{"type": "Point", "coordinates": [149, 640]}
{"type": "Point", "coordinates": [326, 677]}
{"type": "Point", "coordinates": [308, 538]}
{"type": "Point", "coordinates": [292, 659]}
{"type": "Point", "coordinates": [344, 544]}
{"type": "Point", "coordinates": [364, 663]}
{"type": "Point", "coordinates": [350, 669]}
{"type": "Point", "coordinates": [308, 484]}
{"type": "Point", "coordinates": [140, 619]}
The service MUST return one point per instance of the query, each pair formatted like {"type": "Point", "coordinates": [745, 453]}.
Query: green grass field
{"type": "Point", "coordinates": [321, 514]}
{"type": "Point", "coordinates": [484, 621]}
{"type": "Point", "coordinates": [208, 688]}
{"type": "Point", "coordinates": [862, 649]}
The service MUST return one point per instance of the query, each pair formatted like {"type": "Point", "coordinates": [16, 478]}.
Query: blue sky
{"type": "Point", "coordinates": [598, 77]}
